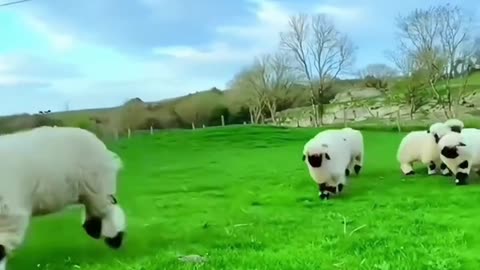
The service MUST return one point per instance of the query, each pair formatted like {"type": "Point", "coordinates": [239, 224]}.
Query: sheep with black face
{"type": "Point", "coordinates": [461, 153]}
{"type": "Point", "coordinates": [421, 146]}
{"type": "Point", "coordinates": [327, 156]}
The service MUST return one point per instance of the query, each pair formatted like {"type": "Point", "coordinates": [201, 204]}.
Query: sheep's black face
{"type": "Point", "coordinates": [457, 129]}
{"type": "Point", "coordinates": [315, 160]}
{"type": "Point", "coordinates": [450, 152]}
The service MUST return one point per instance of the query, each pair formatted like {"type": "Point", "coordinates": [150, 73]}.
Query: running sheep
{"type": "Point", "coordinates": [461, 153]}
{"type": "Point", "coordinates": [421, 146]}
{"type": "Point", "coordinates": [46, 169]}
{"type": "Point", "coordinates": [327, 157]}
{"type": "Point", "coordinates": [355, 141]}
{"type": "Point", "coordinates": [455, 125]}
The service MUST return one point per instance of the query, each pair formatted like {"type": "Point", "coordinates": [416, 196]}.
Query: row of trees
{"type": "Point", "coordinates": [313, 54]}
{"type": "Point", "coordinates": [435, 45]}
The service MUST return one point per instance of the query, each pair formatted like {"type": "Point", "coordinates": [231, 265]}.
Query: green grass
{"type": "Point", "coordinates": [242, 197]}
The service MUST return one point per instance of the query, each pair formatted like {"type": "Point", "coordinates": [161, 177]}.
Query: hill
{"type": "Point", "coordinates": [358, 101]}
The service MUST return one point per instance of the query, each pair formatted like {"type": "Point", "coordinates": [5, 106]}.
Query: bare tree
{"type": "Point", "coordinates": [413, 90]}
{"type": "Point", "coordinates": [321, 54]}
{"type": "Point", "coordinates": [276, 77]}
{"type": "Point", "coordinates": [454, 34]}
{"type": "Point", "coordinates": [246, 85]}
{"type": "Point", "coordinates": [436, 38]}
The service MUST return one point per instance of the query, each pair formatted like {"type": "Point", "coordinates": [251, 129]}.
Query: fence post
{"type": "Point", "coordinates": [193, 125]}
{"type": "Point", "coordinates": [223, 120]}
{"type": "Point", "coordinates": [398, 120]}
{"type": "Point", "coordinates": [151, 130]}
{"type": "Point", "coordinates": [129, 133]}
{"type": "Point", "coordinates": [244, 122]}
{"type": "Point", "coordinates": [203, 126]}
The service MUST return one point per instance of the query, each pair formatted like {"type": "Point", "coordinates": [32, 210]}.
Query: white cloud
{"type": "Point", "coordinates": [60, 41]}
{"type": "Point", "coordinates": [234, 46]}
{"type": "Point", "coordinates": [346, 18]}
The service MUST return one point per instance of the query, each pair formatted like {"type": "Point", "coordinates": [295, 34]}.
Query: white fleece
{"type": "Point", "coordinates": [469, 152]}
{"type": "Point", "coordinates": [355, 141]}
{"type": "Point", "coordinates": [331, 172]}
{"type": "Point", "coordinates": [420, 146]}
{"type": "Point", "coordinates": [46, 169]}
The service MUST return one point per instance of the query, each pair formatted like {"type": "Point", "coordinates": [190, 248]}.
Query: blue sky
{"type": "Point", "coordinates": [100, 53]}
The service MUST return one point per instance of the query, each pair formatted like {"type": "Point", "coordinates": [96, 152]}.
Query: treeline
{"type": "Point", "coordinates": [435, 46]}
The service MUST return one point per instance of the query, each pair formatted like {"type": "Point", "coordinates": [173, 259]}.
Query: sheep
{"type": "Point", "coordinates": [455, 125]}
{"type": "Point", "coordinates": [327, 156]}
{"type": "Point", "coordinates": [46, 169]}
{"type": "Point", "coordinates": [422, 146]}
{"type": "Point", "coordinates": [355, 140]}
{"type": "Point", "coordinates": [461, 153]}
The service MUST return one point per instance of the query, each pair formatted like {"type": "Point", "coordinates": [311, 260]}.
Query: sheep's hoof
{"type": "Point", "coordinates": [340, 188]}
{"type": "Point", "coordinates": [324, 196]}
{"type": "Point", "coordinates": [410, 173]}
{"type": "Point", "coordinates": [460, 182]}
{"type": "Point", "coordinates": [357, 169]}
{"type": "Point", "coordinates": [93, 227]}
{"type": "Point", "coordinates": [115, 242]}
{"type": "Point", "coordinates": [347, 172]}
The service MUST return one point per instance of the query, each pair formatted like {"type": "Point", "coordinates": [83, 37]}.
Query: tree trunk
{"type": "Point", "coordinates": [314, 110]}
{"type": "Point", "coordinates": [272, 108]}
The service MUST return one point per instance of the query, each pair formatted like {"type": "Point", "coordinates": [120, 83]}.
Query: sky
{"type": "Point", "coordinates": [57, 55]}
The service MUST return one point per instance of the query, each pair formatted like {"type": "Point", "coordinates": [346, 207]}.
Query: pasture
{"type": "Point", "coordinates": [243, 198]}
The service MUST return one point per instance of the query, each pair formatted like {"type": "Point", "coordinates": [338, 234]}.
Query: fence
{"type": "Point", "coordinates": [393, 123]}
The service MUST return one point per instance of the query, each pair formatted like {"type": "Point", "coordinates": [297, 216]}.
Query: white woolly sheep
{"type": "Point", "coordinates": [461, 153]}
{"type": "Point", "coordinates": [327, 156]}
{"type": "Point", "coordinates": [422, 146]}
{"type": "Point", "coordinates": [46, 169]}
{"type": "Point", "coordinates": [455, 125]}
{"type": "Point", "coordinates": [355, 141]}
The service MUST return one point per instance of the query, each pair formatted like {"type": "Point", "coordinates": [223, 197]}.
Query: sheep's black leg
{"type": "Point", "coordinates": [445, 170]}
{"type": "Point", "coordinates": [432, 168]}
{"type": "Point", "coordinates": [3, 257]}
{"type": "Point", "coordinates": [357, 169]}
{"type": "Point", "coordinates": [340, 187]}
{"type": "Point", "coordinates": [347, 172]}
{"type": "Point", "coordinates": [324, 191]}
{"type": "Point", "coordinates": [462, 174]}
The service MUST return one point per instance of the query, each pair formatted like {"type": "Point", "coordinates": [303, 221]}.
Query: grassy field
{"type": "Point", "coordinates": [243, 198]}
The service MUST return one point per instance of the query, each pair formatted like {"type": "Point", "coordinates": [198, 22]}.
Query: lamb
{"type": "Point", "coordinates": [461, 153]}
{"type": "Point", "coordinates": [46, 169]}
{"type": "Point", "coordinates": [422, 146]}
{"type": "Point", "coordinates": [355, 141]}
{"type": "Point", "coordinates": [327, 156]}
{"type": "Point", "coordinates": [455, 125]}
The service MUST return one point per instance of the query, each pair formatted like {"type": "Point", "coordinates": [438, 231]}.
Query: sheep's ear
{"type": "Point", "coordinates": [327, 156]}
{"type": "Point", "coordinates": [303, 157]}
{"type": "Point", "coordinates": [428, 130]}
{"type": "Point", "coordinates": [462, 144]}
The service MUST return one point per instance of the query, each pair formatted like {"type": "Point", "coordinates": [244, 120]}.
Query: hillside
{"type": "Point", "coordinates": [352, 101]}
{"type": "Point", "coordinates": [371, 105]}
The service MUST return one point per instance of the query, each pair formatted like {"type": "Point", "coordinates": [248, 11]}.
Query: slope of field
{"type": "Point", "coordinates": [242, 197]}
